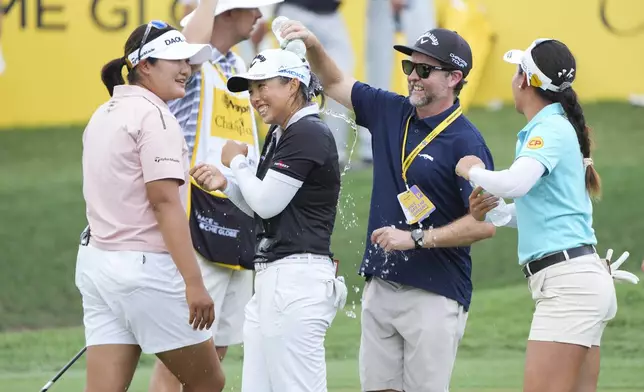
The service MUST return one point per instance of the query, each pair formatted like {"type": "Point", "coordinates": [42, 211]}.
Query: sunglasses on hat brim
{"type": "Point", "coordinates": [157, 24]}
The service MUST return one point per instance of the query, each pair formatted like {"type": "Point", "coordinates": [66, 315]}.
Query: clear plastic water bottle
{"type": "Point", "coordinates": [499, 216]}
{"type": "Point", "coordinates": [296, 46]}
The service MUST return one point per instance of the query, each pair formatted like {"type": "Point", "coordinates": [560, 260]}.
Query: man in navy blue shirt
{"type": "Point", "coordinates": [417, 260]}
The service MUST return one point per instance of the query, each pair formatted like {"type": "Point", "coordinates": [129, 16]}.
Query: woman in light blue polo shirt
{"type": "Point", "coordinates": [552, 181]}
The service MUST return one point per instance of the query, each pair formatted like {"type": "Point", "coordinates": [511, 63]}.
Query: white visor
{"type": "Point", "coordinates": [535, 77]}
{"type": "Point", "coordinates": [269, 64]}
{"type": "Point", "coordinates": [171, 46]}
{"type": "Point", "coordinates": [226, 5]}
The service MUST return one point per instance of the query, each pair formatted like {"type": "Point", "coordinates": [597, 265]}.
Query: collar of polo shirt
{"type": "Point", "coordinates": [536, 78]}
{"type": "Point", "coordinates": [170, 46]}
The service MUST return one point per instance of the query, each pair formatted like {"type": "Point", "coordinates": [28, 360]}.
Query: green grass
{"type": "Point", "coordinates": [490, 356]}
{"type": "Point", "coordinates": [42, 214]}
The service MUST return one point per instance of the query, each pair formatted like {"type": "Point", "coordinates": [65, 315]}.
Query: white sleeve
{"type": "Point", "coordinates": [511, 183]}
{"type": "Point", "coordinates": [234, 194]}
{"type": "Point", "coordinates": [276, 187]}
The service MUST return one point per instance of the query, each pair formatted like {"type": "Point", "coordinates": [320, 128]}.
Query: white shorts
{"type": "Point", "coordinates": [230, 290]}
{"type": "Point", "coordinates": [134, 298]}
{"type": "Point", "coordinates": [409, 338]}
{"type": "Point", "coordinates": [575, 299]}
{"type": "Point", "coordinates": [295, 302]}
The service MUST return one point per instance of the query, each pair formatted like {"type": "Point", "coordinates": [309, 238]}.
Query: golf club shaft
{"type": "Point", "coordinates": [63, 370]}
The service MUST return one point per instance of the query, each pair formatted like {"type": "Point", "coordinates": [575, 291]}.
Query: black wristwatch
{"type": "Point", "coordinates": [418, 236]}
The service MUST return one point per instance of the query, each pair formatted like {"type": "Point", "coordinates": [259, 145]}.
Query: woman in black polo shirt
{"type": "Point", "coordinates": [293, 195]}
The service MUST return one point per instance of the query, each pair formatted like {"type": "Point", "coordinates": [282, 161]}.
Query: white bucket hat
{"type": "Point", "coordinates": [227, 5]}
{"type": "Point", "coordinates": [170, 46]}
{"type": "Point", "coordinates": [269, 64]}
{"type": "Point", "coordinates": [536, 78]}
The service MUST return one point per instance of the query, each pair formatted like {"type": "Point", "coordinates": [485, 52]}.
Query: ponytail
{"type": "Point", "coordinates": [315, 89]}
{"type": "Point", "coordinates": [557, 62]}
{"type": "Point", "coordinates": [308, 93]}
{"type": "Point", "coordinates": [111, 74]}
{"type": "Point", "coordinates": [575, 114]}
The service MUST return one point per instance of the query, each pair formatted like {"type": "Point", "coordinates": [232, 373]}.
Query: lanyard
{"type": "Point", "coordinates": [406, 162]}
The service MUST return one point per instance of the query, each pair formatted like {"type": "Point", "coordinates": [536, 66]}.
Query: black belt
{"type": "Point", "coordinates": [537, 265]}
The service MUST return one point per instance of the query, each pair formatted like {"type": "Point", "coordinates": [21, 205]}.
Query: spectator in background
{"type": "Point", "coordinates": [3, 65]}
{"type": "Point", "coordinates": [384, 18]}
{"type": "Point", "coordinates": [222, 234]}
{"type": "Point", "coordinates": [325, 21]}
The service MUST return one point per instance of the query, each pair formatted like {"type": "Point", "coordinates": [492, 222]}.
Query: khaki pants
{"type": "Point", "coordinates": [409, 338]}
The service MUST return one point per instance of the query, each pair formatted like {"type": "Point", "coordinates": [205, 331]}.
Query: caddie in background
{"type": "Point", "coordinates": [417, 261]}
{"type": "Point", "coordinates": [210, 115]}
{"type": "Point", "coordinates": [246, 49]}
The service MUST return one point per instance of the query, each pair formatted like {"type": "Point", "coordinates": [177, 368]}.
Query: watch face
{"type": "Point", "coordinates": [417, 234]}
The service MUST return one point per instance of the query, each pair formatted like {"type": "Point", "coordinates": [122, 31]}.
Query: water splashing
{"type": "Point", "coordinates": [347, 204]}
{"type": "Point", "coordinates": [353, 126]}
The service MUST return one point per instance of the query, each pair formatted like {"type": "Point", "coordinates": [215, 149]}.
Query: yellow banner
{"type": "Point", "coordinates": [55, 49]}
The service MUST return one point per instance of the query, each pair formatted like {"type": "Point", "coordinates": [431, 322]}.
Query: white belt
{"type": "Point", "coordinates": [300, 258]}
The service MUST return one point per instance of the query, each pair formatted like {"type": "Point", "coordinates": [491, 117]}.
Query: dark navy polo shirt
{"type": "Point", "coordinates": [444, 271]}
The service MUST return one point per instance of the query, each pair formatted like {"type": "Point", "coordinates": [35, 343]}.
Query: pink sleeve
{"type": "Point", "coordinates": [160, 146]}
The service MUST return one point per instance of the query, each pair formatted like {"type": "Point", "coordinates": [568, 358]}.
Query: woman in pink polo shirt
{"type": "Point", "coordinates": [141, 286]}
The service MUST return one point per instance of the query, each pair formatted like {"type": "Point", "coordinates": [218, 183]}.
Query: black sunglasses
{"type": "Point", "coordinates": [423, 70]}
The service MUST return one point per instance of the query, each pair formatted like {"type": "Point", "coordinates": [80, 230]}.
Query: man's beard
{"type": "Point", "coordinates": [416, 101]}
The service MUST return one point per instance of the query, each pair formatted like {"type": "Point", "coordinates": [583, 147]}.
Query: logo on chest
{"type": "Point", "coordinates": [426, 157]}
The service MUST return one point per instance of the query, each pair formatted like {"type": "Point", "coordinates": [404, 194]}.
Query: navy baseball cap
{"type": "Point", "coordinates": [445, 46]}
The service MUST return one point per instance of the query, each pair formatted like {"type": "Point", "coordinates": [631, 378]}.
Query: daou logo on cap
{"type": "Point", "coordinates": [173, 40]}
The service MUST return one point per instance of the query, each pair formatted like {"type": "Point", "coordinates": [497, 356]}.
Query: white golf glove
{"type": "Point", "coordinates": [620, 276]}
{"type": "Point", "coordinates": [339, 288]}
